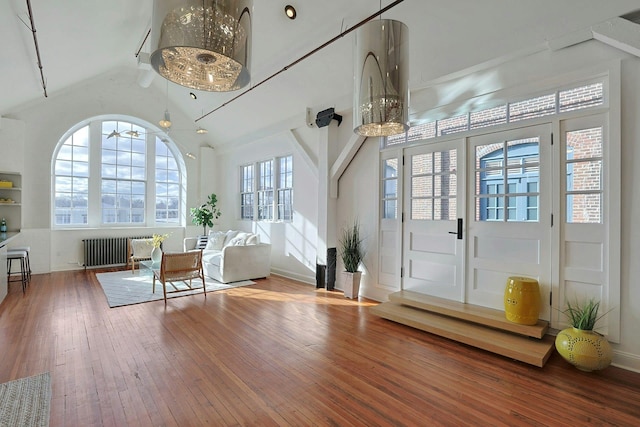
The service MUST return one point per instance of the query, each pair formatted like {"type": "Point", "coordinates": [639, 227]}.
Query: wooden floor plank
{"type": "Point", "coordinates": [278, 353]}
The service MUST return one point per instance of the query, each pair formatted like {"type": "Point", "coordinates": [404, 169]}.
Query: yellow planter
{"type": "Point", "coordinates": [522, 300]}
{"type": "Point", "coordinates": [586, 350]}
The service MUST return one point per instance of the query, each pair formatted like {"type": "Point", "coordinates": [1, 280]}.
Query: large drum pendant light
{"type": "Point", "coordinates": [381, 92]}
{"type": "Point", "coordinates": [203, 45]}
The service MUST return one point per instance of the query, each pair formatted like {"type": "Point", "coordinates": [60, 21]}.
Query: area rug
{"type": "Point", "coordinates": [26, 401]}
{"type": "Point", "coordinates": [124, 288]}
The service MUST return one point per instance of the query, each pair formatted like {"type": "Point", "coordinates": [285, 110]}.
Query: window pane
{"type": "Point", "coordinates": [421, 131]}
{"type": "Point", "coordinates": [531, 108]}
{"type": "Point", "coordinates": [71, 180]}
{"type": "Point", "coordinates": [582, 97]}
{"type": "Point", "coordinates": [453, 125]}
{"type": "Point", "coordinates": [422, 209]}
{"type": "Point", "coordinates": [390, 168]}
{"type": "Point", "coordinates": [584, 208]}
{"type": "Point", "coordinates": [390, 209]}
{"type": "Point", "coordinates": [584, 176]}
{"type": "Point", "coordinates": [488, 117]}
{"type": "Point", "coordinates": [584, 144]}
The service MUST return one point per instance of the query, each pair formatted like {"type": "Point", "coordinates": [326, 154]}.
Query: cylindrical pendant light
{"type": "Point", "coordinates": [203, 45]}
{"type": "Point", "coordinates": [381, 92]}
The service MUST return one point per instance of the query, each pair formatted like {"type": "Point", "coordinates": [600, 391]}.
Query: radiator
{"type": "Point", "coordinates": [106, 251]}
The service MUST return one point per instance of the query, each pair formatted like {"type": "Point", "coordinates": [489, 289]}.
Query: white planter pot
{"type": "Point", "coordinates": [351, 284]}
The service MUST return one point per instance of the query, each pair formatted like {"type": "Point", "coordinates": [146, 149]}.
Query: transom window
{"type": "Point", "coordinates": [267, 195]}
{"type": "Point", "coordinates": [561, 101]}
{"type": "Point", "coordinates": [116, 173]}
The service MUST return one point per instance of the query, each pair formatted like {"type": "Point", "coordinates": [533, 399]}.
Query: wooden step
{"type": "Point", "coordinates": [471, 313]}
{"type": "Point", "coordinates": [525, 349]}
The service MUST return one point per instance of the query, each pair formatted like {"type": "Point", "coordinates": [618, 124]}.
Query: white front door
{"type": "Point", "coordinates": [433, 245]}
{"type": "Point", "coordinates": [509, 211]}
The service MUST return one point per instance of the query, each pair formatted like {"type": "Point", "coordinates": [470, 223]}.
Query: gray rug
{"type": "Point", "coordinates": [26, 401]}
{"type": "Point", "coordinates": [124, 288]}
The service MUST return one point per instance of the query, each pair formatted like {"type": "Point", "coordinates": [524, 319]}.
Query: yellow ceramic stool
{"type": "Point", "coordinates": [522, 300]}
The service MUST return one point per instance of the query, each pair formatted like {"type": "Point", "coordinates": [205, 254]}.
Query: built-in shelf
{"type": "Point", "coordinates": [11, 212]}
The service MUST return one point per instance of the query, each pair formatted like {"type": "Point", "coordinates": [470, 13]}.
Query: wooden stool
{"type": "Point", "coordinates": [24, 275]}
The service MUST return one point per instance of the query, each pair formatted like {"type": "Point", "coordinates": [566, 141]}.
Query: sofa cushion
{"type": "Point", "coordinates": [216, 240]}
{"type": "Point", "coordinates": [230, 235]}
{"type": "Point", "coordinates": [253, 239]}
{"type": "Point", "coordinates": [213, 258]}
{"type": "Point", "coordinates": [237, 241]}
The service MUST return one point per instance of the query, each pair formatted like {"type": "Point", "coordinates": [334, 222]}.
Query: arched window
{"type": "Point", "coordinates": [117, 171]}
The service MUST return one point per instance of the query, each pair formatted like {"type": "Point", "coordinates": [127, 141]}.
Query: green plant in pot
{"type": "Point", "coordinates": [580, 344]}
{"type": "Point", "coordinates": [206, 213]}
{"type": "Point", "coordinates": [351, 253]}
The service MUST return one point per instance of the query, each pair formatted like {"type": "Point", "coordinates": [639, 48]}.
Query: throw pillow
{"type": "Point", "coordinates": [236, 241]}
{"type": "Point", "coordinates": [216, 240]}
{"type": "Point", "coordinates": [202, 242]}
{"type": "Point", "coordinates": [253, 239]}
{"type": "Point", "coordinates": [230, 235]}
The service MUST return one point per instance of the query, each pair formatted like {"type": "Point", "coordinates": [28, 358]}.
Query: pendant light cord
{"type": "Point", "coordinates": [302, 58]}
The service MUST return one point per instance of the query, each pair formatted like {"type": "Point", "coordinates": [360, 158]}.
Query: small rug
{"type": "Point", "coordinates": [26, 401]}
{"type": "Point", "coordinates": [124, 288]}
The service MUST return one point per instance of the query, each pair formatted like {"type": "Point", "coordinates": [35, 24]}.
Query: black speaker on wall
{"type": "Point", "coordinates": [324, 117]}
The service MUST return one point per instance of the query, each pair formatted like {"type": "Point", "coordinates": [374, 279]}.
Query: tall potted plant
{"type": "Point", "coordinates": [580, 345]}
{"type": "Point", "coordinates": [351, 253]}
{"type": "Point", "coordinates": [206, 213]}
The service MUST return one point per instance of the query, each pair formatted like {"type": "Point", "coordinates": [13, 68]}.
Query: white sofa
{"type": "Point", "coordinates": [230, 256]}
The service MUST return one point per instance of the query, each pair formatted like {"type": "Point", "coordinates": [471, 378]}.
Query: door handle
{"type": "Point", "coordinates": [459, 232]}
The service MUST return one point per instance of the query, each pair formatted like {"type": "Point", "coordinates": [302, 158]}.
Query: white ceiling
{"type": "Point", "coordinates": [82, 39]}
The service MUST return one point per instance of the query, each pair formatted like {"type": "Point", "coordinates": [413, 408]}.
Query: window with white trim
{"type": "Point", "coordinates": [266, 190]}
{"type": "Point", "coordinates": [111, 172]}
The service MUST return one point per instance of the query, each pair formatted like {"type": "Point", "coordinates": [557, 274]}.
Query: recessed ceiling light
{"type": "Point", "coordinates": [193, 95]}
{"type": "Point", "coordinates": [290, 11]}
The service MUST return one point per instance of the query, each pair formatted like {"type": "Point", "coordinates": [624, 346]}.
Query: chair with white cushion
{"type": "Point", "coordinates": [138, 250]}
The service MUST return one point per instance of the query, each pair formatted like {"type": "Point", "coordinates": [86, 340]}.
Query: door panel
{"type": "Point", "coordinates": [433, 258]}
{"type": "Point", "coordinates": [509, 231]}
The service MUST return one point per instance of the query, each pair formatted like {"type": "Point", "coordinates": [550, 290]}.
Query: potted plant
{"type": "Point", "coordinates": [580, 345]}
{"type": "Point", "coordinates": [206, 213]}
{"type": "Point", "coordinates": [351, 253]}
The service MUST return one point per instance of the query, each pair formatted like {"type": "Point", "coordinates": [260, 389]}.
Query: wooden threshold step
{"type": "Point", "coordinates": [528, 350]}
{"type": "Point", "coordinates": [470, 313]}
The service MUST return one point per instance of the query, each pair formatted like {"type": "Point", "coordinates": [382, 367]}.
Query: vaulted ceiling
{"type": "Point", "coordinates": [81, 39]}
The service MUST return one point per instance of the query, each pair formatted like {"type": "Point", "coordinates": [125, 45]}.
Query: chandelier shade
{"type": "Point", "coordinates": [203, 45]}
{"type": "Point", "coordinates": [381, 81]}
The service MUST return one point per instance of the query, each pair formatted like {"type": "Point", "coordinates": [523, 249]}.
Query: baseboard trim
{"type": "Point", "coordinates": [310, 280]}
{"type": "Point", "coordinates": [624, 360]}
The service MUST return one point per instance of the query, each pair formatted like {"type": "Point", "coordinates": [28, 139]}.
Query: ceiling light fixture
{"type": "Point", "coordinates": [193, 95]}
{"type": "Point", "coordinates": [201, 131]}
{"type": "Point", "coordinates": [290, 11]}
{"type": "Point", "coordinates": [381, 93]}
{"type": "Point", "coordinates": [202, 44]}
{"type": "Point", "coordinates": [165, 123]}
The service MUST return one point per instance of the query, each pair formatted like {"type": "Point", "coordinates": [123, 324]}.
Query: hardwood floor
{"type": "Point", "coordinates": [278, 353]}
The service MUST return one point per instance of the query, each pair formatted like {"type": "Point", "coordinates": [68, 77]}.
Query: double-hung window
{"type": "Point", "coordinates": [266, 190]}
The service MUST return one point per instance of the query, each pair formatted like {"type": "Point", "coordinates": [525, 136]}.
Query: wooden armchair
{"type": "Point", "coordinates": [179, 267]}
{"type": "Point", "coordinates": [138, 250]}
